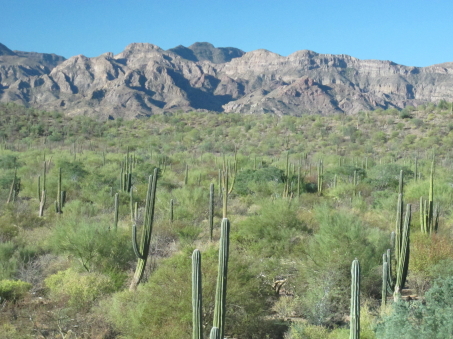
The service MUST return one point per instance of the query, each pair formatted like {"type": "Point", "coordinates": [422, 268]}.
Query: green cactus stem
{"type": "Point", "coordinates": [59, 204]}
{"type": "Point", "coordinates": [402, 263]}
{"type": "Point", "coordinates": [320, 176]}
{"type": "Point", "coordinates": [354, 327]}
{"type": "Point", "coordinates": [215, 333]}
{"type": "Point", "coordinates": [385, 278]}
{"type": "Point", "coordinates": [141, 251]}
{"type": "Point", "coordinates": [116, 212]}
{"type": "Point", "coordinates": [197, 310]}
{"type": "Point", "coordinates": [172, 204]}
{"type": "Point", "coordinates": [211, 210]}
{"type": "Point", "coordinates": [221, 289]}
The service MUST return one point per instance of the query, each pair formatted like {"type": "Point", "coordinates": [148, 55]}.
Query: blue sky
{"type": "Point", "coordinates": [413, 33]}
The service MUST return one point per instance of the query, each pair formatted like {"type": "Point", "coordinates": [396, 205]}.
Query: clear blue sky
{"type": "Point", "coordinates": [409, 32]}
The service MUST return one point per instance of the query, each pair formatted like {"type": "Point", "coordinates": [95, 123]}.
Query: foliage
{"type": "Point", "coordinates": [140, 314]}
{"type": "Point", "coordinates": [13, 289]}
{"type": "Point", "coordinates": [79, 289]}
{"type": "Point", "coordinates": [429, 319]}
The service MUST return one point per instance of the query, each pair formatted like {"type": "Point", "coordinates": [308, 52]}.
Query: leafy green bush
{"type": "Point", "coordinates": [430, 319]}
{"type": "Point", "coordinates": [323, 281]}
{"type": "Point", "coordinates": [262, 176]}
{"type": "Point", "coordinates": [386, 176]}
{"type": "Point", "coordinates": [161, 308]}
{"type": "Point", "coordinates": [13, 289]}
{"type": "Point", "coordinates": [79, 289]}
{"type": "Point", "coordinates": [92, 243]}
{"type": "Point", "coordinates": [275, 231]}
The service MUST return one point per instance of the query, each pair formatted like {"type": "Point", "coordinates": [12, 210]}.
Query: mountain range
{"type": "Point", "coordinates": [144, 80]}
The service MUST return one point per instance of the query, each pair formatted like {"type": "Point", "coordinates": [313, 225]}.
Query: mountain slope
{"type": "Point", "coordinates": [145, 79]}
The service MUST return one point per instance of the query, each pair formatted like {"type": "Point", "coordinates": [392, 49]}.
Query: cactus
{"type": "Point", "coordinates": [116, 211]}
{"type": "Point", "coordinates": [384, 282]}
{"type": "Point", "coordinates": [402, 262]}
{"type": "Point", "coordinates": [197, 317]}
{"type": "Point", "coordinates": [142, 251]}
{"type": "Point", "coordinates": [225, 192]}
{"type": "Point", "coordinates": [320, 176]}
{"type": "Point", "coordinates": [215, 333]}
{"type": "Point", "coordinates": [186, 175]}
{"type": "Point", "coordinates": [429, 214]}
{"type": "Point", "coordinates": [58, 203]}
{"type": "Point", "coordinates": [171, 210]}
{"type": "Point", "coordinates": [14, 189]}
{"type": "Point", "coordinates": [354, 332]}
{"type": "Point", "coordinates": [211, 210]}
{"type": "Point", "coordinates": [220, 295]}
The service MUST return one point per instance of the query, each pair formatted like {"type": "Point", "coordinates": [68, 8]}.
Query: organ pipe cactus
{"type": "Point", "coordinates": [116, 212]}
{"type": "Point", "coordinates": [384, 281]}
{"type": "Point", "coordinates": [429, 214]}
{"type": "Point", "coordinates": [220, 295]}
{"type": "Point", "coordinates": [354, 332]}
{"type": "Point", "coordinates": [141, 251]}
{"type": "Point", "coordinates": [402, 263]}
{"type": "Point", "coordinates": [211, 210]}
{"type": "Point", "coordinates": [320, 176]}
{"type": "Point", "coordinates": [215, 333]}
{"type": "Point", "coordinates": [197, 311]}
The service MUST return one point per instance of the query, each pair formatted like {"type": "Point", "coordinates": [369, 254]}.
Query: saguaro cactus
{"type": "Point", "coordinates": [211, 210]}
{"type": "Point", "coordinates": [220, 295]}
{"type": "Point", "coordinates": [197, 317]}
{"type": "Point", "coordinates": [142, 251]}
{"type": "Point", "coordinates": [215, 333]}
{"type": "Point", "coordinates": [429, 214]}
{"type": "Point", "coordinates": [354, 332]}
{"type": "Point", "coordinates": [116, 212]}
{"type": "Point", "coordinates": [402, 263]}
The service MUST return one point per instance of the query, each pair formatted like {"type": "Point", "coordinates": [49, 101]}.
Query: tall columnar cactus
{"type": "Point", "coordinates": [215, 333]}
{"type": "Point", "coordinates": [126, 173]}
{"type": "Point", "coordinates": [141, 251]}
{"type": "Point", "coordinates": [172, 204]}
{"type": "Point", "coordinates": [225, 192]}
{"type": "Point", "coordinates": [211, 210]}
{"type": "Point", "coordinates": [197, 311]}
{"type": "Point", "coordinates": [354, 332]}
{"type": "Point", "coordinates": [116, 212]}
{"type": "Point", "coordinates": [186, 175]}
{"type": "Point", "coordinates": [402, 263]}
{"type": "Point", "coordinates": [320, 176]}
{"type": "Point", "coordinates": [59, 204]}
{"type": "Point", "coordinates": [220, 295]}
{"type": "Point", "coordinates": [385, 279]}
{"type": "Point", "coordinates": [14, 189]}
{"type": "Point", "coordinates": [429, 214]}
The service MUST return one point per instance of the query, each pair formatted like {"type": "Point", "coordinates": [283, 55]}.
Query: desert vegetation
{"type": "Point", "coordinates": [304, 197]}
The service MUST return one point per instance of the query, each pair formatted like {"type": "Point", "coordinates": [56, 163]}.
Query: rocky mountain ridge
{"type": "Point", "coordinates": [144, 79]}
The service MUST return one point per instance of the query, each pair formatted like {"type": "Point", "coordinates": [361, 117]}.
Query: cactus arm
{"type": "Point", "coordinates": [220, 296]}
{"type": "Point", "coordinates": [354, 332]}
{"type": "Point", "coordinates": [197, 318]}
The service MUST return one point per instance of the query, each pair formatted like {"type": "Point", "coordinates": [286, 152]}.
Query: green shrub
{"type": "Point", "coordinates": [161, 308]}
{"type": "Point", "coordinates": [92, 243]}
{"type": "Point", "coordinates": [275, 231]}
{"type": "Point", "coordinates": [13, 289]}
{"type": "Point", "coordinates": [244, 179]}
{"type": "Point", "coordinates": [430, 319]}
{"type": "Point", "coordinates": [386, 176]}
{"type": "Point", "coordinates": [323, 281]}
{"type": "Point", "coordinates": [79, 289]}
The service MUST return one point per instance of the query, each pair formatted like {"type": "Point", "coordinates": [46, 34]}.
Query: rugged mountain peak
{"type": "Point", "coordinates": [5, 50]}
{"type": "Point", "coordinates": [205, 51]}
{"type": "Point", "coordinates": [145, 79]}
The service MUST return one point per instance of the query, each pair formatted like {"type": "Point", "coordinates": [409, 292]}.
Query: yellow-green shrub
{"type": "Point", "coordinates": [79, 289]}
{"type": "Point", "coordinates": [13, 289]}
